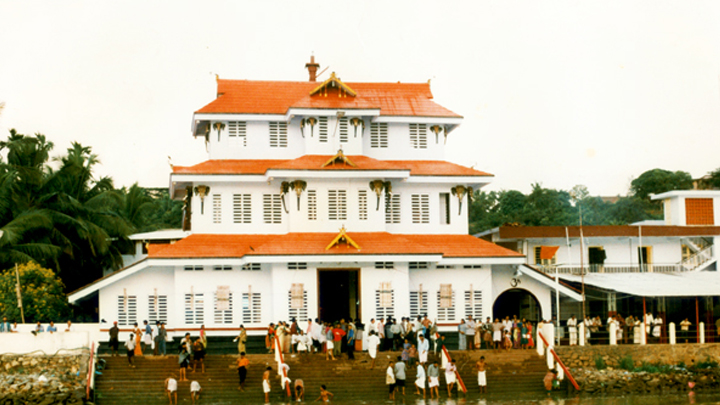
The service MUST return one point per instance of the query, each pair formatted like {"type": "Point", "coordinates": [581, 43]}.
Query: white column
{"type": "Point", "coordinates": [539, 344]}
{"type": "Point", "coordinates": [613, 333]}
{"type": "Point", "coordinates": [671, 332]}
{"type": "Point", "coordinates": [643, 334]}
{"type": "Point", "coordinates": [581, 333]}
{"type": "Point", "coordinates": [701, 326]}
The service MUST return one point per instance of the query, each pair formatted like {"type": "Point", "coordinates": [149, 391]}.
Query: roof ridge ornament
{"type": "Point", "coordinates": [343, 237]}
{"type": "Point", "coordinates": [340, 156]}
{"type": "Point", "coordinates": [343, 89]}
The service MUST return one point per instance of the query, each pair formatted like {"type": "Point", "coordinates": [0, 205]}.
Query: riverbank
{"type": "Point", "coordinates": [644, 369]}
{"type": "Point", "coordinates": [43, 379]}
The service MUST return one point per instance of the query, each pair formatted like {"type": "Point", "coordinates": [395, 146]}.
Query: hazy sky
{"type": "Point", "coordinates": [561, 93]}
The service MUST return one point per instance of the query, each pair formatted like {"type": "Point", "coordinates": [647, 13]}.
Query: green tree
{"type": "Point", "coordinates": [658, 181]}
{"type": "Point", "coordinates": [714, 181]}
{"type": "Point", "coordinates": [42, 294]}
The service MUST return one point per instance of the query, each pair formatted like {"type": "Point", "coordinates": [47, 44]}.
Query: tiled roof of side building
{"type": "Point", "coordinates": [315, 162]}
{"type": "Point", "coordinates": [371, 243]}
{"type": "Point", "coordinates": [276, 97]}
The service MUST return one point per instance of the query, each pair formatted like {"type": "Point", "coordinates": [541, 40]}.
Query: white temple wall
{"type": "Point", "coordinates": [370, 281]}
{"type": "Point", "coordinates": [462, 281]}
{"type": "Point", "coordinates": [282, 281]}
{"type": "Point", "coordinates": [141, 285]}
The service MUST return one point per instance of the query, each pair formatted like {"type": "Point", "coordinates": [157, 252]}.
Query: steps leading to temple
{"type": "Point", "coordinates": [508, 373]}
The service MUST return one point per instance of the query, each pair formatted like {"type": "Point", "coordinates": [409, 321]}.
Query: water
{"type": "Point", "coordinates": [585, 399]}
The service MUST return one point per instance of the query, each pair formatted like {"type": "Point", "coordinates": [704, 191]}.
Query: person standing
{"type": "Point", "coordinates": [462, 342]}
{"type": "Point", "coordinates": [162, 339]}
{"type": "Point", "coordinates": [147, 336]}
{"type": "Point", "coordinates": [497, 328]}
{"type": "Point", "coordinates": [420, 380]}
{"type": "Point", "coordinates": [470, 333]}
{"type": "Point", "coordinates": [114, 341]}
{"type": "Point", "coordinates": [52, 328]}
{"type": "Point", "coordinates": [5, 325]}
{"type": "Point", "coordinates": [337, 336]}
{"type": "Point", "coordinates": [572, 329]}
{"type": "Point", "coordinates": [685, 329]}
{"type": "Point", "coordinates": [373, 342]}
{"type": "Point", "coordinates": [266, 383]}
{"type": "Point", "coordinates": [423, 348]}
{"type": "Point", "coordinates": [351, 341]}
{"type": "Point", "coordinates": [450, 376]}
{"type": "Point", "coordinates": [130, 345]}
{"type": "Point", "coordinates": [183, 361]}
{"type": "Point", "coordinates": [400, 375]}
{"type": "Point", "coordinates": [198, 355]}
{"type": "Point", "coordinates": [70, 327]}
{"type": "Point", "coordinates": [241, 339]}
{"type": "Point", "coordinates": [138, 339]}
{"type": "Point", "coordinates": [390, 378]}
{"type": "Point", "coordinates": [242, 365]}
{"type": "Point", "coordinates": [156, 338]}
{"type": "Point", "coordinates": [482, 379]}
{"type": "Point", "coordinates": [203, 337]}
{"type": "Point", "coordinates": [434, 376]}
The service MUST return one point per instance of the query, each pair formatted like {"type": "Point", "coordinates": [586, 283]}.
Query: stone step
{"type": "Point", "coordinates": [121, 384]}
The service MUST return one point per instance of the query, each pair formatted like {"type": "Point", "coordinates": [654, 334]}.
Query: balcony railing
{"type": "Point", "coordinates": [614, 268]}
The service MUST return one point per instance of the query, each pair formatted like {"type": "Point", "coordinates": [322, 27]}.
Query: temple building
{"type": "Point", "coordinates": [322, 200]}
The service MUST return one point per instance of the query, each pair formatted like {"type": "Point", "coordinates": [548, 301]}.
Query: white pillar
{"type": "Point", "coordinates": [671, 332]}
{"type": "Point", "coordinates": [539, 344]}
{"type": "Point", "coordinates": [643, 334]}
{"type": "Point", "coordinates": [581, 334]}
{"type": "Point", "coordinates": [701, 326]}
{"type": "Point", "coordinates": [613, 333]}
{"type": "Point", "coordinates": [549, 359]}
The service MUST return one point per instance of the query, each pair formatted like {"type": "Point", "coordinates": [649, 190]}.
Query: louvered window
{"type": "Point", "coordinates": [217, 209]}
{"type": "Point", "coordinates": [378, 135]}
{"type": "Point", "coordinates": [242, 209]}
{"type": "Point", "coordinates": [297, 303]}
{"type": "Point", "coordinates": [392, 209]}
{"type": "Point", "coordinates": [323, 129]}
{"type": "Point", "coordinates": [337, 205]}
{"type": "Point", "coordinates": [384, 265]}
{"type": "Point", "coordinates": [297, 266]}
{"type": "Point", "coordinates": [223, 306]}
{"type": "Point", "coordinates": [193, 268]}
{"type": "Point", "coordinates": [473, 266]}
{"type": "Point", "coordinates": [420, 208]}
{"type": "Point", "coordinates": [419, 265]}
{"type": "Point", "coordinates": [127, 310]}
{"type": "Point", "coordinates": [362, 205]}
{"type": "Point", "coordinates": [278, 134]}
{"type": "Point", "coordinates": [344, 130]}
{"type": "Point", "coordinates": [251, 308]}
{"type": "Point", "coordinates": [251, 267]}
{"type": "Point", "coordinates": [418, 136]}
{"type": "Point", "coordinates": [446, 303]}
{"type": "Point", "coordinates": [222, 268]}
{"type": "Point", "coordinates": [473, 304]}
{"type": "Point", "coordinates": [384, 301]}
{"type": "Point", "coordinates": [312, 205]}
{"type": "Point", "coordinates": [157, 308]}
{"type": "Point", "coordinates": [237, 133]}
{"type": "Point", "coordinates": [418, 303]}
{"type": "Point", "coordinates": [272, 209]}
{"type": "Point", "coordinates": [194, 309]}
{"type": "Point", "coordinates": [444, 266]}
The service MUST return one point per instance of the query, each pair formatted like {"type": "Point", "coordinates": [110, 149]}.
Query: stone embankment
{"type": "Point", "coordinates": [644, 369]}
{"type": "Point", "coordinates": [43, 380]}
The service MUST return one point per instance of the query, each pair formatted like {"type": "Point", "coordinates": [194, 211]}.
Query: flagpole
{"type": "Point", "coordinates": [19, 296]}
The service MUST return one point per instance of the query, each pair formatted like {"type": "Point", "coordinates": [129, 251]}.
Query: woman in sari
{"type": "Point", "coordinates": [138, 338]}
{"type": "Point", "coordinates": [241, 339]}
{"type": "Point", "coordinates": [478, 334]}
{"type": "Point", "coordinates": [531, 341]}
{"type": "Point", "coordinates": [270, 338]}
{"type": "Point", "coordinates": [523, 334]}
{"type": "Point", "coordinates": [516, 334]}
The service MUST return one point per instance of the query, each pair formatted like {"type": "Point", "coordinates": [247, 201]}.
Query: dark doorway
{"type": "Point", "coordinates": [338, 294]}
{"type": "Point", "coordinates": [517, 302]}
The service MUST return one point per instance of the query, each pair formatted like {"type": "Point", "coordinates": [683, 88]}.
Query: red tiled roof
{"type": "Point", "coordinates": [527, 232]}
{"type": "Point", "coordinates": [315, 162]}
{"type": "Point", "coordinates": [371, 243]}
{"type": "Point", "coordinates": [276, 97]}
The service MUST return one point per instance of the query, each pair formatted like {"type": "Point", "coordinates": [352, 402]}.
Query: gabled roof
{"type": "Point", "coordinates": [333, 83]}
{"type": "Point", "coordinates": [277, 97]}
{"type": "Point", "coordinates": [315, 243]}
{"type": "Point", "coordinates": [316, 162]}
{"type": "Point", "coordinates": [539, 232]}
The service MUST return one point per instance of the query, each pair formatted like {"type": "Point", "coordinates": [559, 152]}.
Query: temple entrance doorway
{"type": "Point", "coordinates": [338, 294]}
{"type": "Point", "coordinates": [519, 302]}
